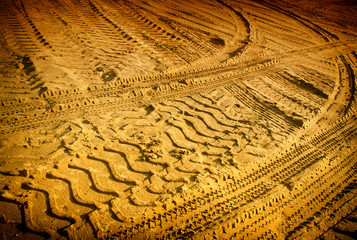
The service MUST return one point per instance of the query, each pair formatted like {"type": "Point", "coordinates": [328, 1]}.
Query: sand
{"type": "Point", "coordinates": [188, 119]}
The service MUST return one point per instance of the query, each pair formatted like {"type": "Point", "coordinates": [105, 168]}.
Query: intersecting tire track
{"type": "Point", "coordinates": [224, 210]}
{"type": "Point", "coordinates": [219, 197]}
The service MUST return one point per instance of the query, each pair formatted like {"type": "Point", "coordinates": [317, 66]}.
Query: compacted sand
{"type": "Point", "coordinates": [187, 119]}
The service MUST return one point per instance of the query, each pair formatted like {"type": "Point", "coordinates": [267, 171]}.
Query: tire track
{"type": "Point", "coordinates": [167, 167]}
{"type": "Point", "coordinates": [138, 95]}
{"type": "Point", "coordinates": [183, 212]}
{"type": "Point", "coordinates": [276, 117]}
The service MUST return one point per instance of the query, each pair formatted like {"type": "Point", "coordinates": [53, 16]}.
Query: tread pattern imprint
{"type": "Point", "coordinates": [187, 119]}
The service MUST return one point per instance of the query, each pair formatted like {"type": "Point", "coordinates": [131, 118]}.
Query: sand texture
{"type": "Point", "coordinates": [186, 119]}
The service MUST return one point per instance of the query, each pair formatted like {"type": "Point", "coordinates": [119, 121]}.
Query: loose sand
{"type": "Point", "coordinates": [190, 119]}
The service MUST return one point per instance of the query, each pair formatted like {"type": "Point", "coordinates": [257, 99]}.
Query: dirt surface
{"type": "Point", "coordinates": [189, 119]}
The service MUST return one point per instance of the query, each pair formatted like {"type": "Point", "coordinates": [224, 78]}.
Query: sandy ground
{"type": "Point", "coordinates": [188, 119]}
